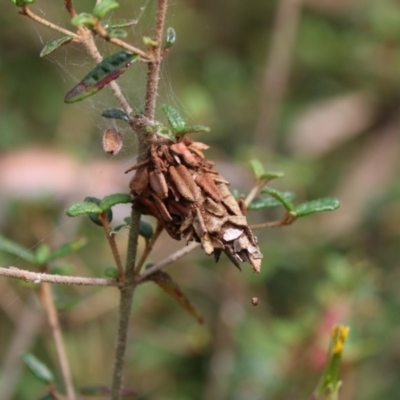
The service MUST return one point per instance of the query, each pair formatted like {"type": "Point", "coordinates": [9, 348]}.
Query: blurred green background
{"type": "Point", "coordinates": [311, 88]}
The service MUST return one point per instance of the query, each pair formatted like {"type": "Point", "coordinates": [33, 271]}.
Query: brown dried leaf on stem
{"type": "Point", "coordinates": [181, 188]}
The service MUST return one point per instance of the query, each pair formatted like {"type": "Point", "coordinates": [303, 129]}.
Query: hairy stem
{"type": "Point", "coordinates": [113, 245]}
{"type": "Point", "coordinates": [149, 247]}
{"type": "Point", "coordinates": [129, 285]}
{"type": "Point", "coordinates": [26, 11]}
{"type": "Point", "coordinates": [48, 303]}
{"type": "Point", "coordinates": [37, 277]}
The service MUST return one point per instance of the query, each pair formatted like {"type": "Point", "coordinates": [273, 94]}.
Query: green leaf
{"type": "Point", "coordinates": [193, 129]}
{"type": "Point", "coordinates": [113, 199]}
{"type": "Point", "coordinates": [115, 113]}
{"type": "Point", "coordinates": [95, 216]}
{"type": "Point", "coordinates": [261, 203]}
{"type": "Point", "coordinates": [280, 196]}
{"type": "Point", "coordinates": [15, 249]}
{"type": "Point", "coordinates": [149, 42]}
{"type": "Point", "coordinates": [111, 272]}
{"type": "Point", "coordinates": [170, 37]}
{"type": "Point", "coordinates": [145, 230]}
{"type": "Point", "coordinates": [122, 23]}
{"type": "Point", "coordinates": [260, 173]}
{"type": "Point", "coordinates": [84, 19]}
{"type": "Point", "coordinates": [165, 282]}
{"type": "Point", "coordinates": [83, 208]}
{"type": "Point", "coordinates": [55, 44]}
{"type": "Point", "coordinates": [104, 7]}
{"type": "Point", "coordinates": [329, 383]}
{"type": "Point", "coordinates": [315, 206]}
{"type": "Point", "coordinates": [117, 33]}
{"type": "Point", "coordinates": [38, 368]}
{"type": "Point", "coordinates": [21, 3]}
{"type": "Point", "coordinates": [107, 71]}
{"type": "Point", "coordinates": [67, 249]}
{"type": "Point", "coordinates": [42, 254]}
{"type": "Point", "coordinates": [174, 118]}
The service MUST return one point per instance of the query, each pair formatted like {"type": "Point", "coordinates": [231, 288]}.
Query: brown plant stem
{"type": "Point", "coordinates": [168, 260]}
{"type": "Point", "coordinates": [47, 300]}
{"type": "Point", "coordinates": [286, 220]}
{"type": "Point", "coordinates": [27, 12]}
{"type": "Point", "coordinates": [37, 277]}
{"type": "Point", "coordinates": [99, 29]}
{"type": "Point", "coordinates": [127, 290]}
{"type": "Point", "coordinates": [113, 245]}
{"type": "Point", "coordinates": [149, 247]}
{"type": "Point", "coordinates": [69, 5]}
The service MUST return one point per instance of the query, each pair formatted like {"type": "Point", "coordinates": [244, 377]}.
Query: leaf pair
{"type": "Point", "coordinates": [93, 207]}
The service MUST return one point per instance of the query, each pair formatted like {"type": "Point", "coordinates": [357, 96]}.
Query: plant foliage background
{"type": "Point", "coordinates": [335, 134]}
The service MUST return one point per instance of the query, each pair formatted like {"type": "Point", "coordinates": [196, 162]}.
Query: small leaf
{"type": "Point", "coordinates": [149, 42]}
{"type": "Point", "coordinates": [83, 208]}
{"type": "Point", "coordinates": [174, 118]}
{"type": "Point", "coordinates": [117, 33]}
{"type": "Point", "coordinates": [145, 230]}
{"type": "Point", "coordinates": [104, 73]}
{"type": "Point", "coordinates": [280, 196]}
{"type": "Point", "coordinates": [193, 129]}
{"type": "Point", "coordinates": [68, 248]}
{"type": "Point", "coordinates": [170, 37]}
{"type": "Point", "coordinates": [113, 199]}
{"type": "Point", "coordinates": [111, 272]}
{"type": "Point", "coordinates": [84, 19]}
{"type": "Point", "coordinates": [261, 203]}
{"type": "Point", "coordinates": [261, 174]}
{"type": "Point", "coordinates": [115, 113]}
{"type": "Point", "coordinates": [269, 175]}
{"type": "Point", "coordinates": [122, 23]}
{"type": "Point", "coordinates": [95, 217]}
{"type": "Point", "coordinates": [54, 45]}
{"type": "Point", "coordinates": [42, 254]}
{"type": "Point", "coordinates": [21, 3]}
{"type": "Point", "coordinates": [15, 249]}
{"type": "Point", "coordinates": [163, 280]}
{"type": "Point", "coordinates": [315, 206]}
{"type": "Point", "coordinates": [257, 167]}
{"type": "Point", "coordinates": [38, 368]}
{"type": "Point", "coordinates": [104, 7]}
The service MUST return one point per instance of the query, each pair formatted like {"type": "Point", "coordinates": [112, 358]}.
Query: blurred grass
{"type": "Point", "coordinates": [313, 275]}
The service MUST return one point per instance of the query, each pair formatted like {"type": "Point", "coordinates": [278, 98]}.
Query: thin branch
{"type": "Point", "coordinates": [149, 247]}
{"type": "Point", "coordinates": [286, 220]}
{"type": "Point", "coordinates": [27, 12]}
{"type": "Point", "coordinates": [69, 5]}
{"type": "Point", "coordinates": [153, 74]}
{"type": "Point", "coordinates": [168, 260]}
{"type": "Point", "coordinates": [113, 245]}
{"type": "Point", "coordinates": [128, 288]}
{"type": "Point", "coordinates": [37, 277]}
{"type": "Point", "coordinates": [254, 191]}
{"type": "Point", "coordinates": [99, 29]}
{"type": "Point", "coordinates": [52, 316]}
